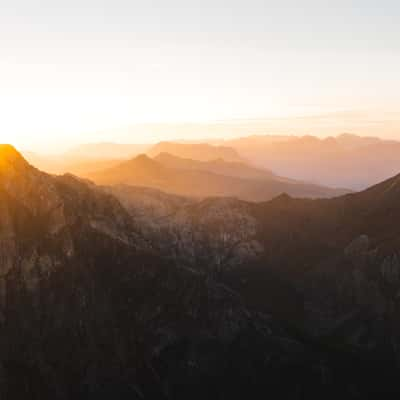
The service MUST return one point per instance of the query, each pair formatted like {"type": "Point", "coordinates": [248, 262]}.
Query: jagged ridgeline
{"type": "Point", "coordinates": [130, 293]}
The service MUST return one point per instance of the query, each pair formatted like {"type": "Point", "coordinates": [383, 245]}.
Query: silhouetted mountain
{"type": "Point", "coordinates": [195, 151]}
{"type": "Point", "coordinates": [219, 166]}
{"type": "Point", "coordinates": [200, 179]}
{"type": "Point", "coordinates": [90, 310]}
{"type": "Point", "coordinates": [344, 161]}
{"type": "Point", "coordinates": [353, 141]}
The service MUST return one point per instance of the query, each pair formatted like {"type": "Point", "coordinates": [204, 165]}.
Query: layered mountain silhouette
{"type": "Point", "coordinates": [206, 179]}
{"type": "Point", "coordinates": [344, 161]}
{"type": "Point", "coordinates": [347, 160]}
{"type": "Point", "coordinates": [217, 166]}
{"type": "Point", "coordinates": [103, 296]}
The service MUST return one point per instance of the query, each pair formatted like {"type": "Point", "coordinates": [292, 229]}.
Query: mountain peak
{"type": "Point", "coordinates": [7, 150]}
{"type": "Point", "coordinates": [143, 158]}
{"type": "Point", "coordinates": [142, 162]}
{"type": "Point", "coordinates": [9, 156]}
{"type": "Point", "coordinates": [282, 198]}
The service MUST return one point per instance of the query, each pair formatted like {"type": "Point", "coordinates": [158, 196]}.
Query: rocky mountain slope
{"type": "Point", "coordinates": [95, 304]}
{"type": "Point", "coordinates": [330, 267]}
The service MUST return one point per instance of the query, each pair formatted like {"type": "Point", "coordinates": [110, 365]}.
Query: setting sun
{"type": "Point", "coordinates": [66, 78]}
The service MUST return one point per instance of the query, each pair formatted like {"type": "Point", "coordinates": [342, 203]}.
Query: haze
{"type": "Point", "coordinates": [86, 71]}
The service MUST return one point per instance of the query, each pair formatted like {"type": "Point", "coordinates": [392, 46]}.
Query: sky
{"type": "Point", "coordinates": [80, 71]}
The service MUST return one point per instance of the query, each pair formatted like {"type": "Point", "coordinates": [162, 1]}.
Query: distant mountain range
{"type": "Point", "coordinates": [96, 156]}
{"type": "Point", "coordinates": [348, 161]}
{"type": "Point", "coordinates": [218, 166]}
{"type": "Point", "coordinates": [206, 179]}
{"type": "Point", "coordinates": [196, 151]}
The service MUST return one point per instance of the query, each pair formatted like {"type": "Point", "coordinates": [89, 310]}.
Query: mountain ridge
{"type": "Point", "coordinates": [346, 160]}
{"type": "Point", "coordinates": [100, 297]}
{"type": "Point", "coordinates": [194, 178]}
{"type": "Point", "coordinates": [195, 151]}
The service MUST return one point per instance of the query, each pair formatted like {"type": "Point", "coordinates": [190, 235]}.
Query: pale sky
{"type": "Point", "coordinates": [72, 69]}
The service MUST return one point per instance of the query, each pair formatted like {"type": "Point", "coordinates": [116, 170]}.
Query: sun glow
{"type": "Point", "coordinates": [63, 82]}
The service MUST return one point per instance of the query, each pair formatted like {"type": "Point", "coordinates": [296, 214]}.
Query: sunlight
{"type": "Point", "coordinates": [8, 155]}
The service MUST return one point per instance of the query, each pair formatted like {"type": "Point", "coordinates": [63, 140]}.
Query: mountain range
{"type": "Point", "coordinates": [344, 161]}
{"type": "Point", "coordinates": [216, 178]}
{"type": "Point", "coordinates": [196, 151]}
{"type": "Point", "coordinates": [132, 293]}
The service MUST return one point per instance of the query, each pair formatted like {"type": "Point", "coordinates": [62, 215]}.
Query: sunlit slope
{"type": "Point", "coordinates": [205, 180]}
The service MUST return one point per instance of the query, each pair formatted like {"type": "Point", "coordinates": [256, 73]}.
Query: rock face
{"type": "Point", "coordinates": [329, 267]}
{"type": "Point", "coordinates": [105, 296]}
{"type": "Point", "coordinates": [212, 234]}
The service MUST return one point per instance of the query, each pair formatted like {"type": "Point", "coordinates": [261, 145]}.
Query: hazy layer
{"type": "Point", "coordinates": [68, 71]}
